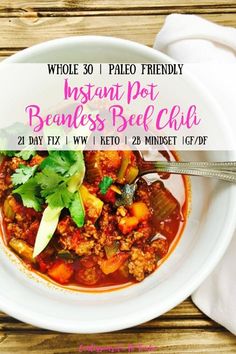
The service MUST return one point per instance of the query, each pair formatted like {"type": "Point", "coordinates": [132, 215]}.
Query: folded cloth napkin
{"type": "Point", "coordinates": [192, 39]}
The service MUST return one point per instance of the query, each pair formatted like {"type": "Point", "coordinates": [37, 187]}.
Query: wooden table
{"type": "Point", "coordinates": [24, 23]}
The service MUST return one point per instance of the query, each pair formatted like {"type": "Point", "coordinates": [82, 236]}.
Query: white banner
{"type": "Point", "coordinates": [145, 106]}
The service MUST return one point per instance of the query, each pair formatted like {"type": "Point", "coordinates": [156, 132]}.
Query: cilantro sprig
{"type": "Point", "coordinates": [60, 161]}
{"type": "Point", "coordinates": [54, 182]}
{"type": "Point", "coordinates": [54, 188]}
{"type": "Point", "coordinates": [30, 194]}
{"type": "Point", "coordinates": [24, 154]}
{"type": "Point", "coordinates": [22, 174]}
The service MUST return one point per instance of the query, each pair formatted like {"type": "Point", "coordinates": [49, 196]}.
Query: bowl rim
{"type": "Point", "coordinates": [147, 313]}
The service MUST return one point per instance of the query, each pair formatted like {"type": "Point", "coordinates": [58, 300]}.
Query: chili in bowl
{"type": "Point", "coordinates": [73, 218]}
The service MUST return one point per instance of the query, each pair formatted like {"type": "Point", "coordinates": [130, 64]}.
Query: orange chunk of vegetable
{"type": "Point", "coordinates": [61, 271]}
{"type": "Point", "coordinates": [128, 224]}
{"type": "Point", "coordinates": [112, 159]}
{"type": "Point", "coordinates": [114, 263]}
{"type": "Point", "coordinates": [139, 210]}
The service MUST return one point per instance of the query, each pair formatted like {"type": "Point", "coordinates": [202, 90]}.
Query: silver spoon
{"type": "Point", "coordinates": [225, 171]}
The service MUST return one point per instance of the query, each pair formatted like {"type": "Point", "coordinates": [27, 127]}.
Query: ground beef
{"type": "Point", "coordinates": [141, 263]}
{"type": "Point", "coordinates": [84, 248]}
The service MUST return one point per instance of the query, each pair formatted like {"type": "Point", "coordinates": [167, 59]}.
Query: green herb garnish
{"type": "Point", "coordinates": [55, 182]}
{"type": "Point", "coordinates": [8, 153]}
{"type": "Point", "coordinates": [60, 161]}
{"type": "Point", "coordinates": [30, 194]}
{"type": "Point", "coordinates": [105, 183]}
{"type": "Point", "coordinates": [23, 174]}
{"type": "Point", "coordinates": [26, 154]}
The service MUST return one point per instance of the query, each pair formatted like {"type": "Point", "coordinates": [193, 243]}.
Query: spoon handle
{"type": "Point", "coordinates": [225, 171]}
{"type": "Point", "coordinates": [224, 166]}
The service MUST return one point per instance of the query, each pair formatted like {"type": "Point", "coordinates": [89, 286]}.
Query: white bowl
{"type": "Point", "coordinates": [206, 237]}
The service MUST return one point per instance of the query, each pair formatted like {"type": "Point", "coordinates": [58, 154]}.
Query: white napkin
{"type": "Point", "coordinates": [192, 39]}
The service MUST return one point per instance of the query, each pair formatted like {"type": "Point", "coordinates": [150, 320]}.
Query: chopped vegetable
{"type": "Point", "coordinates": [140, 210]}
{"type": "Point", "coordinates": [114, 263]}
{"type": "Point", "coordinates": [8, 210]}
{"type": "Point", "coordinates": [109, 197]}
{"type": "Point", "coordinates": [98, 161]}
{"type": "Point", "coordinates": [61, 271]}
{"type": "Point", "coordinates": [22, 248]}
{"type": "Point", "coordinates": [23, 174]}
{"type": "Point", "coordinates": [91, 202]}
{"type": "Point", "coordinates": [93, 167]}
{"type": "Point", "coordinates": [77, 171]}
{"type": "Point", "coordinates": [105, 184]}
{"type": "Point", "coordinates": [65, 254]}
{"type": "Point", "coordinates": [116, 189]}
{"type": "Point", "coordinates": [162, 202]}
{"type": "Point", "coordinates": [131, 174]}
{"type": "Point", "coordinates": [126, 159]}
{"type": "Point", "coordinates": [112, 249]}
{"type": "Point", "coordinates": [127, 195]}
{"type": "Point", "coordinates": [46, 229]}
{"type": "Point", "coordinates": [128, 224]}
{"type": "Point", "coordinates": [76, 209]}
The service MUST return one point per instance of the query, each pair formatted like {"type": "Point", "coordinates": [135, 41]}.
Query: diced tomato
{"type": "Point", "coordinates": [109, 197]}
{"type": "Point", "coordinates": [114, 263]}
{"type": "Point", "coordinates": [88, 276]}
{"type": "Point", "coordinates": [44, 259]}
{"type": "Point", "coordinates": [61, 271]}
{"type": "Point", "coordinates": [43, 264]}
